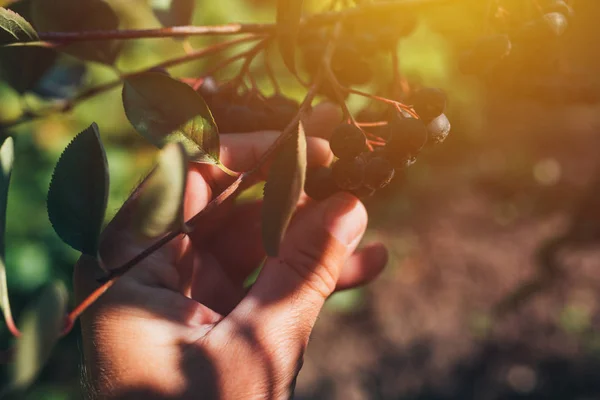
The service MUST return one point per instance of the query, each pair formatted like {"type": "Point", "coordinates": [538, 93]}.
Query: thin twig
{"type": "Point", "coordinates": [67, 105]}
{"type": "Point", "coordinates": [270, 72]}
{"type": "Point", "coordinates": [317, 20]}
{"type": "Point", "coordinates": [175, 31]}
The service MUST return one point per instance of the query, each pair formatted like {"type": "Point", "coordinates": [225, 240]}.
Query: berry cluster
{"type": "Point", "coordinates": [363, 165]}
{"type": "Point", "coordinates": [248, 112]}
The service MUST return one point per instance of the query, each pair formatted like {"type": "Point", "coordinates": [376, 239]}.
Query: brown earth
{"type": "Point", "coordinates": [493, 287]}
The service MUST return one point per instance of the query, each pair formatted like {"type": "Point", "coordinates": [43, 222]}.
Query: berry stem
{"type": "Point", "coordinates": [269, 70]}
{"type": "Point", "coordinates": [175, 31]}
{"type": "Point", "coordinates": [372, 124]}
{"type": "Point", "coordinates": [330, 76]}
{"type": "Point", "coordinates": [398, 104]}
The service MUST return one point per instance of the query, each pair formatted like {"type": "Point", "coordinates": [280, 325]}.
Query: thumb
{"type": "Point", "coordinates": [283, 304]}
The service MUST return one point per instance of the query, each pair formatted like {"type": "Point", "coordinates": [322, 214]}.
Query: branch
{"type": "Point", "coordinates": [67, 105]}
{"type": "Point", "coordinates": [175, 31]}
{"type": "Point", "coordinates": [317, 20]}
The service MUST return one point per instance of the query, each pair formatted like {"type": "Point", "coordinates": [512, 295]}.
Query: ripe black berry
{"type": "Point", "coordinates": [349, 174]}
{"type": "Point", "coordinates": [408, 137]}
{"type": "Point", "coordinates": [379, 172]}
{"type": "Point", "coordinates": [439, 129]}
{"type": "Point", "coordinates": [319, 183]}
{"type": "Point", "coordinates": [429, 103]}
{"type": "Point", "coordinates": [348, 141]}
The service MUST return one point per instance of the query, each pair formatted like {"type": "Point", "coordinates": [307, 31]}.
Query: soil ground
{"type": "Point", "coordinates": [493, 286]}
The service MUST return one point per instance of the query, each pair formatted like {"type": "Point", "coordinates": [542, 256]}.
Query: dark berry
{"type": "Point", "coordinates": [237, 119]}
{"type": "Point", "coordinates": [319, 183]}
{"type": "Point", "coordinates": [379, 172]}
{"type": "Point", "coordinates": [349, 174]}
{"type": "Point", "coordinates": [348, 141]}
{"type": "Point", "coordinates": [439, 129]}
{"type": "Point", "coordinates": [429, 103]}
{"type": "Point", "coordinates": [209, 87]}
{"type": "Point", "coordinates": [408, 137]}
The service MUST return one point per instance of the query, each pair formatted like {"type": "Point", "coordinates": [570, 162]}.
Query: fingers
{"type": "Point", "coordinates": [237, 245]}
{"type": "Point", "coordinates": [363, 267]}
{"type": "Point", "coordinates": [240, 152]}
{"type": "Point", "coordinates": [282, 306]}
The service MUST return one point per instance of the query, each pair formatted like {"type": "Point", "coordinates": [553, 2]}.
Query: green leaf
{"type": "Point", "coordinates": [41, 327]}
{"type": "Point", "coordinates": [14, 28]}
{"type": "Point", "coordinates": [165, 110]}
{"type": "Point", "coordinates": [6, 163]}
{"type": "Point", "coordinates": [160, 205]}
{"type": "Point", "coordinates": [289, 13]}
{"type": "Point", "coordinates": [79, 192]}
{"type": "Point", "coordinates": [173, 12]}
{"type": "Point", "coordinates": [23, 66]}
{"type": "Point", "coordinates": [79, 16]}
{"type": "Point", "coordinates": [282, 190]}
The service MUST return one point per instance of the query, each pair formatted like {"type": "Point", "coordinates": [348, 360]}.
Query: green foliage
{"type": "Point", "coordinates": [41, 326]}
{"type": "Point", "coordinates": [77, 16]}
{"type": "Point", "coordinates": [79, 192]}
{"type": "Point", "coordinates": [160, 205]}
{"type": "Point", "coordinates": [14, 28]}
{"type": "Point", "coordinates": [289, 13]}
{"type": "Point", "coordinates": [23, 66]}
{"type": "Point", "coordinates": [283, 189]}
{"type": "Point", "coordinates": [165, 110]}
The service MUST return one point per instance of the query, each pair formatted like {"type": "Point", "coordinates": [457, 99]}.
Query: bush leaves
{"type": "Point", "coordinates": [41, 327]}
{"type": "Point", "coordinates": [6, 163]}
{"type": "Point", "coordinates": [14, 28]}
{"type": "Point", "coordinates": [160, 205]}
{"type": "Point", "coordinates": [79, 16]}
{"type": "Point", "coordinates": [282, 190]}
{"type": "Point", "coordinates": [23, 66]}
{"type": "Point", "coordinates": [164, 110]}
{"type": "Point", "coordinates": [289, 13]}
{"type": "Point", "coordinates": [79, 192]}
{"type": "Point", "coordinates": [173, 12]}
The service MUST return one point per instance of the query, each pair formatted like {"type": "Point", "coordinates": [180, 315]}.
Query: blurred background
{"type": "Point", "coordinates": [493, 283]}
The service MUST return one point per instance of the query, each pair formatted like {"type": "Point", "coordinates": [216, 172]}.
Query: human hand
{"type": "Point", "coordinates": [181, 325]}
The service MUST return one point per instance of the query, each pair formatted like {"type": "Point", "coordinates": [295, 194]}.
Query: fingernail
{"type": "Point", "coordinates": [345, 218]}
